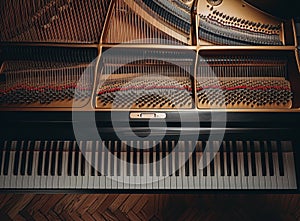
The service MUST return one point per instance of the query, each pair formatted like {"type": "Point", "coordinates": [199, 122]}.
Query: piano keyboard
{"type": "Point", "coordinates": [61, 165]}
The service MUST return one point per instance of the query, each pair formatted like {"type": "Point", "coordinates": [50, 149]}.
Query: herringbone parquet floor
{"type": "Point", "coordinates": [149, 207]}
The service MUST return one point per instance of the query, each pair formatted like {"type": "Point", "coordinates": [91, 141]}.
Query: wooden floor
{"type": "Point", "coordinates": [149, 207]}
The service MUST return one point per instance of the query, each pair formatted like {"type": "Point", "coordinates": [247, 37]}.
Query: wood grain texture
{"type": "Point", "coordinates": [149, 207]}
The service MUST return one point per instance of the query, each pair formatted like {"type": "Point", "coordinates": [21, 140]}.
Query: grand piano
{"type": "Point", "coordinates": [148, 95]}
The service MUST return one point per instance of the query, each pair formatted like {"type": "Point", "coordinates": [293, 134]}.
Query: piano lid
{"type": "Point", "coordinates": [283, 9]}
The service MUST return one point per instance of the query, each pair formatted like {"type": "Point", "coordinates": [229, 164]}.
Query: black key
{"type": "Point", "coordinates": [41, 158]}
{"type": "Point", "coordinates": [30, 158]}
{"type": "Point", "coordinates": [24, 158]}
{"type": "Point", "coordinates": [60, 158]}
{"type": "Point", "coordinates": [164, 154]}
{"type": "Point", "coordinates": [112, 157]}
{"type": "Point", "coordinates": [222, 159]}
{"type": "Point", "coordinates": [7, 158]}
{"type": "Point", "coordinates": [70, 156]}
{"type": "Point", "coordinates": [194, 159]}
{"type": "Point", "coordinates": [228, 159]}
{"type": "Point", "coordinates": [2, 144]}
{"type": "Point", "coordinates": [194, 163]}
{"type": "Point", "coordinates": [280, 159]}
{"type": "Point", "coordinates": [235, 160]}
{"type": "Point", "coordinates": [119, 158]}
{"type": "Point", "coordinates": [47, 158]}
{"type": "Point", "coordinates": [53, 157]}
{"type": "Point", "coordinates": [128, 151]}
{"type": "Point", "coordinates": [157, 162]}
{"type": "Point", "coordinates": [170, 159]}
{"type": "Point", "coordinates": [186, 164]}
{"type": "Point", "coordinates": [204, 158]}
{"type": "Point", "coordinates": [176, 160]}
{"type": "Point", "coordinates": [253, 161]}
{"type": "Point", "coordinates": [141, 162]}
{"type": "Point", "coordinates": [100, 152]}
{"type": "Point", "coordinates": [17, 158]}
{"type": "Point", "coordinates": [212, 164]}
{"type": "Point", "coordinates": [93, 159]}
{"type": "Point", "coordinates": [76, 160]}
{"type": "Point", "coordinates": [134, 161]}
{"type": "Point", "coordinates": [82, 165]}
{"type": "Point", "coordinates": [270, 157]}
{"type": "Point", "coordinates": [263, 158]}
{"type": "Point", "coordinates": [245, 156]}
{"type": "Point", "coordinates": [151, 161]}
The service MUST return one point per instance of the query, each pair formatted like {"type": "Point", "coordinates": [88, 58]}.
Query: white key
{"type": "Point", "coordinates": [2, 177]}
{"type": "Point", "coordinates": [268, 175]}
{"type": "Point", "coordinates": [273, 179]}
{"type": "Point", "coordinates": [31, 178]}
{"type": "Point", "coordinates": [214, 179]}
{"type": "Point", "coordinates": [161, 181]}
{"type": "Point", "coordinates": [73, 178]}
{"type": "Point", "coordinates": [55, 177]}
{"type": "Point", "coordinates": [262, 180]}
{"type": "Point", "coordinates": [144, 166]}
{"type": "Point", "coordinates": [197, 177]}
{"type": "Point", "coordinates": [280, 179]}
{"type": "Point", "coordinates": [114, 181]}
{"type": "Point", "coordinates": [251, 178]}
{"type": "Point", "coordinates": [79, 178]}
{"type": "Point", "coordinates": [241, 169]}
{"type": "Point", "coordinates": [131, 166]}
{"type": "Point", "coordinates": [13, 180]}
{"type": "Point", "coordinates": [25, 178]}
{"type": "Point", "coordinates": [173, 179]}
{"type": "Point", "coordinates": [125, 177]}
{"type": "Point", "coordinates": [286, 178]}
{"type": "Point", "coordinates": [37, 180]}
{"type": "Point", "coordinates": [291, 169]}
{"type": "Point", "coordinates": [147, 167]}
{"type": "Point", "coordinates": [226, 177]}
{"type": "Point", "coordinates": [258, 176]}
{"type": "Point", "coordinates": [64, 179]}
{"type": "Point", "coordinates": [48, 178]}
{"type": "Point", "coordinates": [219, 178]}
{"type": "Point", "coordinates": [43, 177]}
{"type": "Point", "coordinates": [82, 156]}
{"type": "Point", "coordinates": [167, 177]}
{"type": "Point", "coordinates": [232, 178]}
{"type": "Point", "coordinates": [208, 177]}
{"type": "Point", "coordinates": [244, 178]}
{"type": "Point", "coordinates": [155, 175]}
{"type": "Point", "coordinates": [88, 173]}
{"type": "Point", "coordinates": [238, 178]}
{"type": "Point", "coordinates": [202, 180]}
{"type": "Point", "coordinates": [108, 162]}
{"type": "Point", "coordinates": [185, 178]}
{"type": "Point", "coordinates": [67, 179]}
{"type": "Point", "coordinates": [90, 155]}
{"type": "Point", "coordinates": [279, 182]}
{"type": "Point", "coordinates": [102, 177]}
{"type": "Point", "coordinates": [191, 177]}
{"type": "Point", "coordinates": [179, 178]}
{"type": "Point", "coordinates": [138, 166]}
{"type": "Point", "coordinates": [290, 165]}
{"type": "Point", "coordinates": [97, 168]}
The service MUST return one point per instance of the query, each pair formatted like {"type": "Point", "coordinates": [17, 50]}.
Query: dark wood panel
{"type": "Point", "coordinates": [149, 207]}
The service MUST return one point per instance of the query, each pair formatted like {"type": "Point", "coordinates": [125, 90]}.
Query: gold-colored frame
{"type": "Point", "coordinates": [195, 46]}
